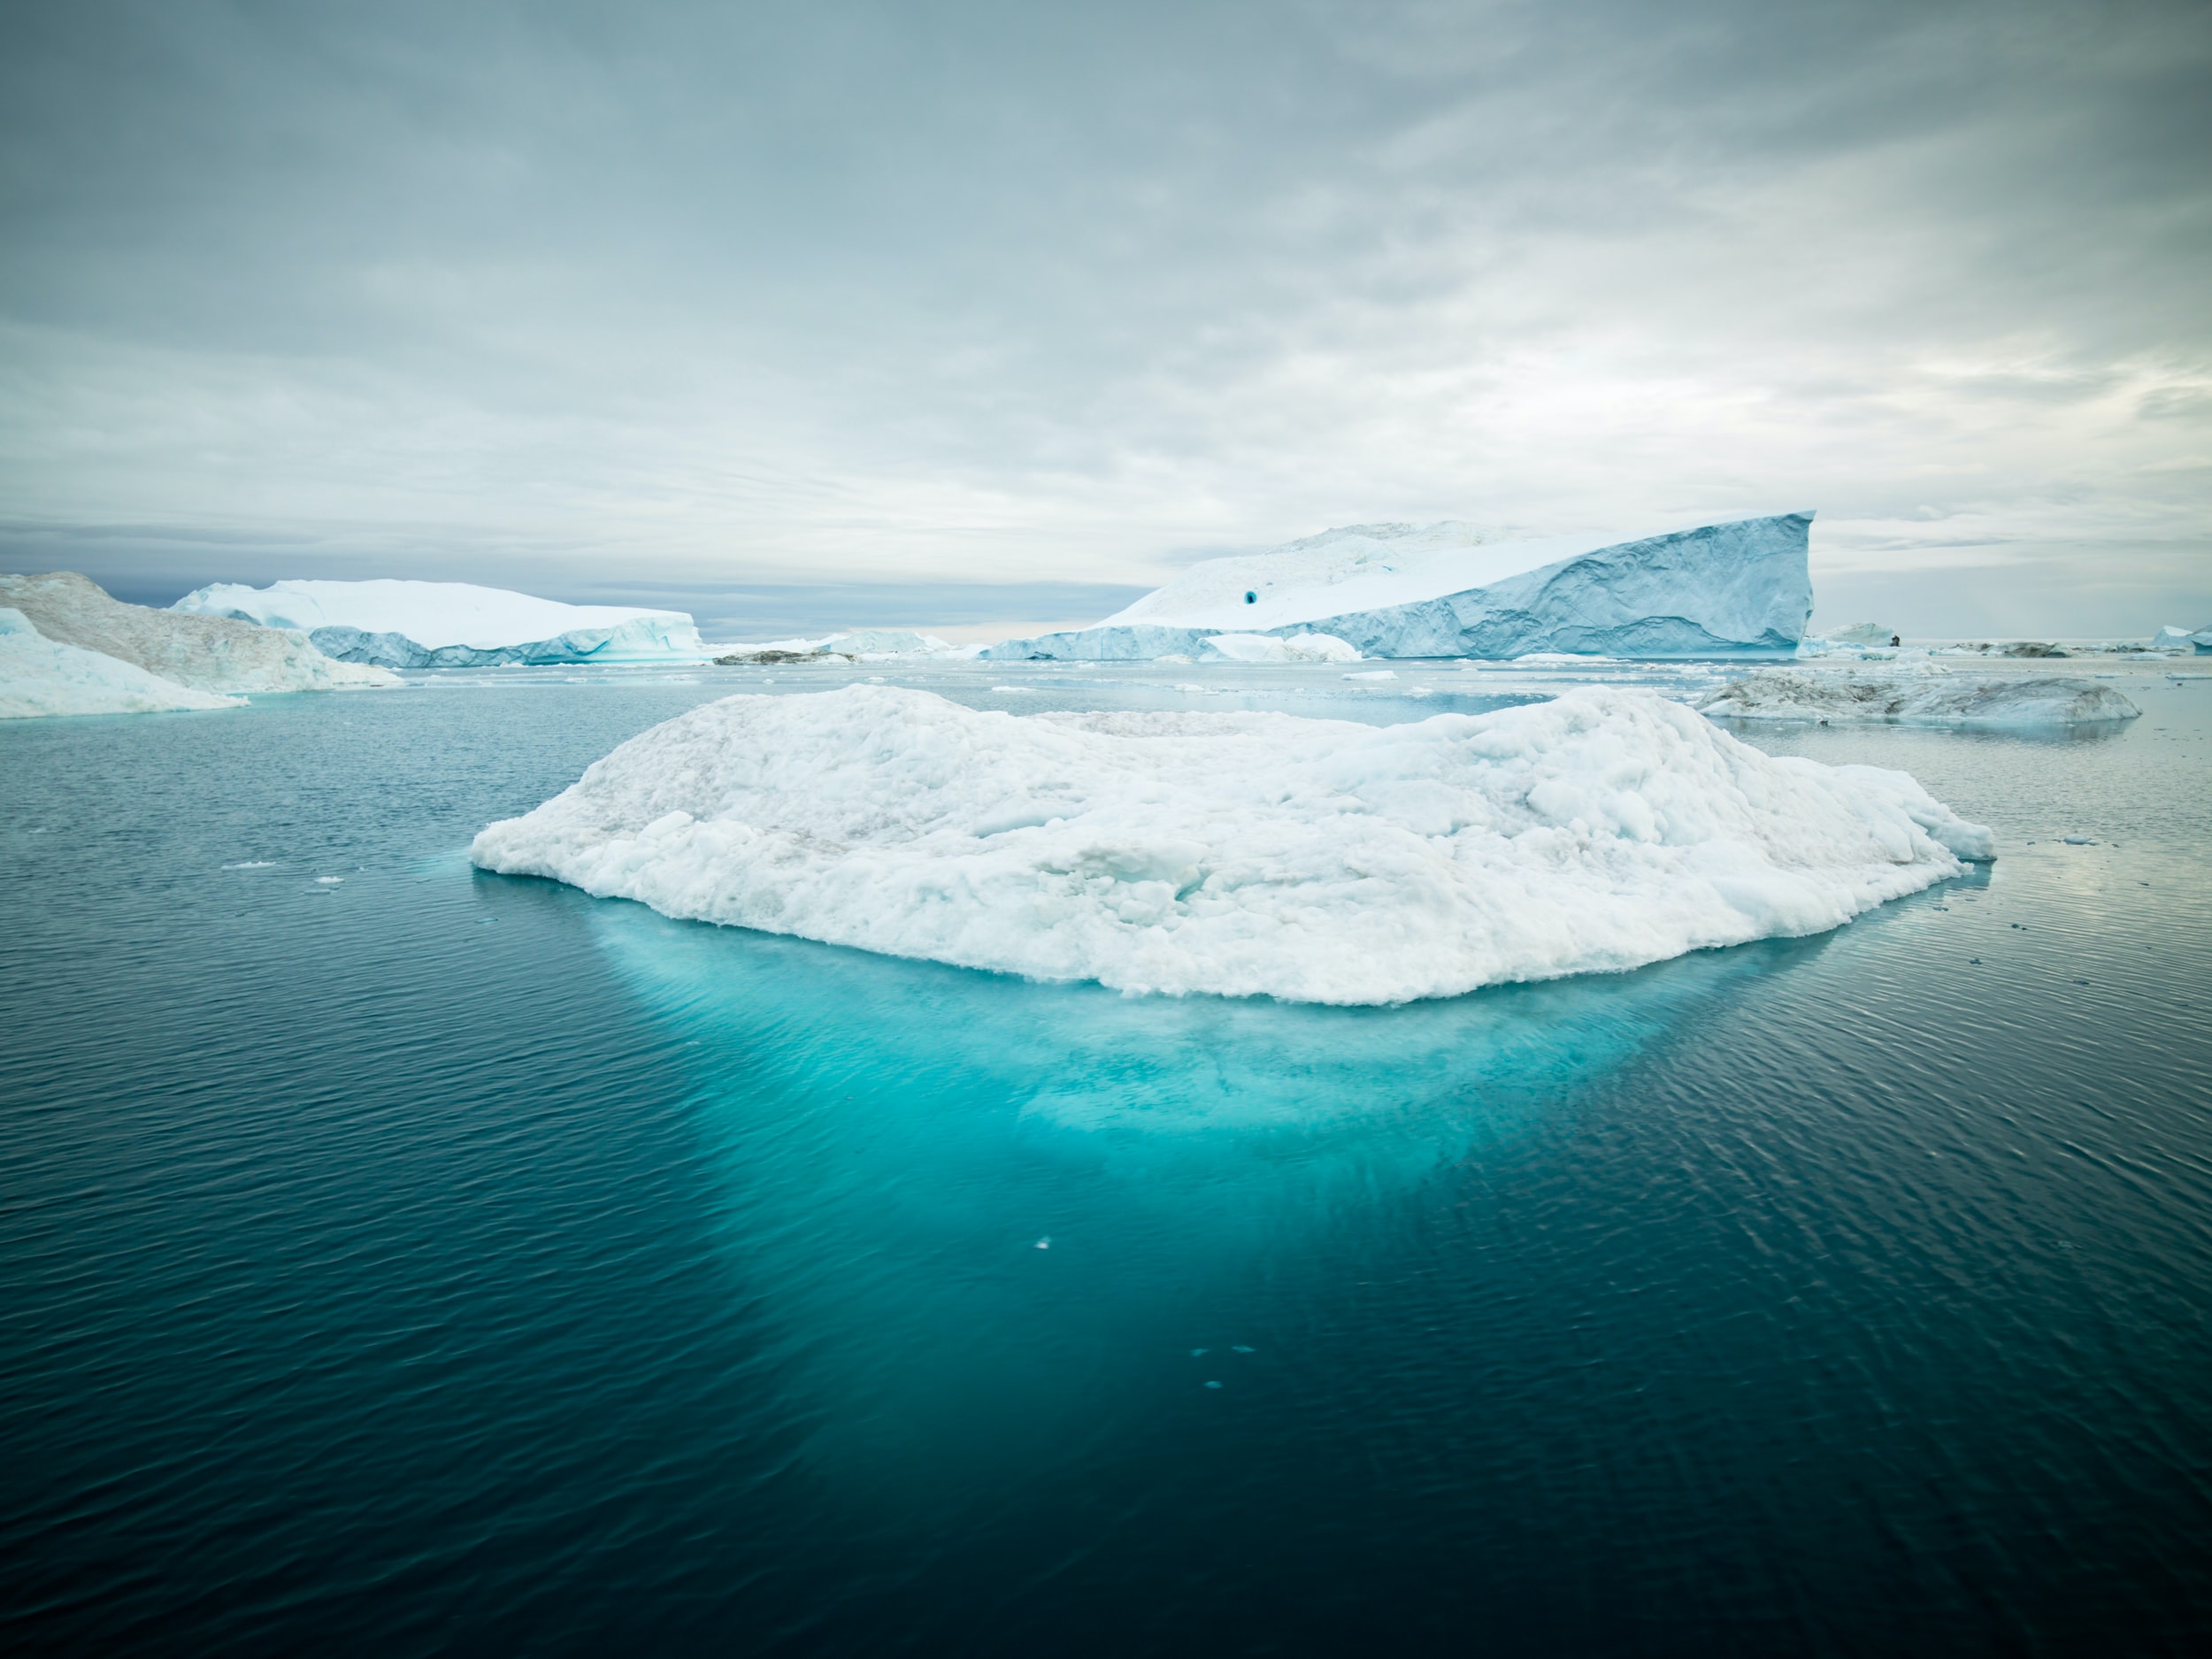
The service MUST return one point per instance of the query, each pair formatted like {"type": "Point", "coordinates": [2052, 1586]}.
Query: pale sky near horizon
{"type": "Point", "coordinates": [980, 313]}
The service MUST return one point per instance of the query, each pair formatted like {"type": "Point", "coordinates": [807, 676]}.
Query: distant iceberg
{"type": "Point", "coordinates": [863, 645]}
{"type": "Point", "coordinates": [452, 624]}
{"type": "Point", "coordinates": [207, 653]}
{"type": "Point", "coordinates": [38, 676]}
{"type": "Point", "coordinates": [1922, 696]}
{"type": "Point", "coordinates": [1242, 854]}
{"type": "Point", "coordinates": [2173, 639]}
{"type": "Point", "coordinates": [1739, 587]}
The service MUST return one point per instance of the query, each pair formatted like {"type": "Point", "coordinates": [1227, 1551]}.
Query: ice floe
{"type": "Point", "coordinates": [207, 653]}
{"type": "Point", "coordinates": [1920, 694]}
{"type": "Point", "coordinates": [1236, 853]}
{"type": "Point", "coordinates": [1449, 590]}
{"type": "Point", "coordinates": [452, 624]}
{"type": "Point", "coordinates": [38, 676]}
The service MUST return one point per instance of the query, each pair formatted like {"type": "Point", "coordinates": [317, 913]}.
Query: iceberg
{"type": "Point", "coordinates": [452, 624]}
{"type": "Point", "coordinates": [1739, 587]}
{"type": "Point", "coordinates": [38, 676]}
{"type": "Point", "coordinates": [1923, 696]}
{"type": "Point", "coordinates": [1238, 854]}
{"type": "Point", "coordinates": [864, 645]}
{"type": "Point", "coordinates": [2172, 639]}
{"type": "Point", "coordinates": [207, 653]}
{"type": "Point", "coordinates": [1265, 648]}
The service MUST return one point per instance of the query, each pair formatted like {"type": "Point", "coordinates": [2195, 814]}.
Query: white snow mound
{"type": "Point", "coordinates": [1921, 694]}
{"type": "Point", "coordinates": [1240, 854]}
{"type": "Point", "coordinates": [207, 653]}
{"type": "Point", "coordinates": [38, 676]}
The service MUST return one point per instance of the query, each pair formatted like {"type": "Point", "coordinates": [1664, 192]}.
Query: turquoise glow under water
{"type": "Point", "coordinates": [427, 1260]}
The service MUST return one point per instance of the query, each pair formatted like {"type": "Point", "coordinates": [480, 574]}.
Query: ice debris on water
{"type": "Point", "coordinates": [1241, 852]}
{"type": "Point", "coordinates": [328, 882]}
{"type": "Point", "coordinates": [1044, 1243]}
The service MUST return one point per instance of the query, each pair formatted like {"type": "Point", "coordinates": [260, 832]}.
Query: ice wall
{"type": "Point", "coordinates": [1737, 587]}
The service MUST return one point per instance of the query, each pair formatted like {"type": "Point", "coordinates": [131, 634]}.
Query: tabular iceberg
{"type": "Point", "coordinates": [38, 676]}
{"type": "Point", "coordinates": [207, 653]}
{"type": "Point", "coordinates": [452, 624]}
{"type": "Point", "coordinates": [1240, 854]}
{"type": "Point", "coordinates": [1925, 695]}
{"type": "Point", "coordinates": [1739, 587]}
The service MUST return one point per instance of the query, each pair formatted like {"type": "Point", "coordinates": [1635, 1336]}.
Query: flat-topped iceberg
{"type": "Point", "coordinates": [207, 653]}
{"type": "Point", "coordinates": [1741, 586]}
{"type": "Point", "coordinates": [863, 645]}
{"type": "Point", "coordinates": [1241, 854]}
{"type": "Point", "coordinates": [1921, 694]}
{"type": "Point", "coordinates": [452, 624]}
{"type": "Point", "coordinates": [38, 676]}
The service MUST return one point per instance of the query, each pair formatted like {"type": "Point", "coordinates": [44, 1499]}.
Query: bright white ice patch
{"type": "Point", "coordinates": [1240, 854]}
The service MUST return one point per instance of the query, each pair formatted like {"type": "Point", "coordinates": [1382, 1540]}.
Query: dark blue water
{"type": "Point", "coordinates": [435, 1261]}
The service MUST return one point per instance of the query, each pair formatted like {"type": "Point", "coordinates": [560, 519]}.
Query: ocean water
{"type": "Point", "coordinates": [395, 1258]}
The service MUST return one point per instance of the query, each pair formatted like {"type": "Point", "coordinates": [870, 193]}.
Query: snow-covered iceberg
{"type": "Point", "coordinates": [1243, 854]}
{"type": "Point", "coordinates": [1742, 586]}
{"type": "Point", "coordinates": [38, 676]}
{"type": "Point", "coordinates": [207, 653]}
{"type": "Point", "coordinates": [1924, 694]}
{"type": "Point", "coordinates": [452, 624]}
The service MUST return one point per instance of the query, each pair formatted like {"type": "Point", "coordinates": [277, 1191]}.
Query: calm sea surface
{"type": "Point", "coordinates": [422, 1261]}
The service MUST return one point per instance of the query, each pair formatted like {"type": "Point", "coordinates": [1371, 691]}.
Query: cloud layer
{"type": "Point", "coordinates": [1044, 300]}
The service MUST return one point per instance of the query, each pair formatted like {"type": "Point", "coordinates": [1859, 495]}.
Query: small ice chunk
{"type": "Point", "coordinates": [1045, 1243]}
{"type": "Point", "coordinates": [1374, 673]}
{"type": "Point", "coordinates": [328, 882]}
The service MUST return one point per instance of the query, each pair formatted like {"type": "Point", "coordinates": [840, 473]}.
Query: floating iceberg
{"type": "Point", "coordinates": [452, 624]}
{"type": "Point", "coordinates": [38, 676]}
{"type": "Point", "coordinates": [207, 653]}
{"type": "Point", "coordinates": [864, 645]}
{"type": "Point", "coordinates": [1441, 590]}
{"type": "Point", "coordinates": [2173, 639]}
{"type": "Point", "coordinates": [1242, 854]}
{"type": "Point", "coordinates": [1924, 695]}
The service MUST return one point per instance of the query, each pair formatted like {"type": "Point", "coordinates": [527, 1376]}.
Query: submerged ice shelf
{"type": "Point", "coordinates": [1240, 854]}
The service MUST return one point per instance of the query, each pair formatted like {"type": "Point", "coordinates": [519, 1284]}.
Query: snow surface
{"type": "Point", "coordinates": [1243, 854]}
{"type": "Point", "coordinates": [38, 676]}
{"type": "Point", "coordinates": [452, 624]}
{"type": "Point", "coordinates": [1923, 693]}
{"type": "Point", "coordinates": [1445, 590]}
{"type": "Point", "coordinates": [207, 653]}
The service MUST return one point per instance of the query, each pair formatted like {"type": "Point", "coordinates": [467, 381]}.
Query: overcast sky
{"type": "Point", "coordinates": [969, 312]}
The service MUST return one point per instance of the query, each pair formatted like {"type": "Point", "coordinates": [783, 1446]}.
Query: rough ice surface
{"type": "Point", "coordinates": [1442, 590]}
{"type": "Point", "coordinates": [38, 676]}
{"type": "Point", "coordinates": [207, 653]}
{"type": "Point", "coordinates": [1243, 854]}
{"type": "Point", "coordinates": [1922, 694]}
{"type": "Point", "coordinates": [452, 624]}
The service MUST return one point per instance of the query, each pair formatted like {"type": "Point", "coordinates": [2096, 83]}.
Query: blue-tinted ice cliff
{"type": "Point", "coordinates": [1738, 587]}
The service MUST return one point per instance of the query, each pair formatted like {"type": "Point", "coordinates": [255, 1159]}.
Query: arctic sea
{"type": "Point", "coordinates": [395, 1258]}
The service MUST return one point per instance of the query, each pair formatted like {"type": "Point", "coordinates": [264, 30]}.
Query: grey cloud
{"type": "Point", "coordinates": [929, 292]}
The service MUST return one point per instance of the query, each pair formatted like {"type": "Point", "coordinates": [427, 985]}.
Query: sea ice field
{"type": "Point", "coordinates": [399, 1255]}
